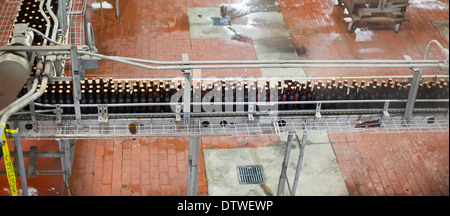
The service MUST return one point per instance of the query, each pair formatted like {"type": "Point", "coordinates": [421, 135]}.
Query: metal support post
{"type": "Point", "coordinates": [283, 177]}
{"type": "Point", "coordinates": [187, 92]}
{"type": "Point", "coordinates": [20, 160]}
{"type": "Point", "coordinates": [117, 11]}
{"type": "Point", "coordinates": [64, 146]}
{"type": "Point", "coordinates": [76, 74]}
{"type": "Point", "coordinates": [194, 149]}
{"type": "Point", "coordinates": [412, 94]}
{"type": "Point", "coordinates": [300, 162]}
{"type": "Point", "coordinates": [62, 14]}
{"type": "Point", "coordinates": [32, 111]}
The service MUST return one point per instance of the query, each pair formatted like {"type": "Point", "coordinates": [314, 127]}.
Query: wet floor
{"type": "Point", "coordinates": [316, 29]}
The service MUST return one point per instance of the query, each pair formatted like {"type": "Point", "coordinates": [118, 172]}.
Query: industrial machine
{"type": "Point", "coordinates": [376, 11]}
{"type": "Point", "coordinates": [43, 101]}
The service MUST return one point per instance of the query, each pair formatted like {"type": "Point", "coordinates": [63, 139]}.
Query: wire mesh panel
{"type": "Point", "coordinates": [231, 126]}
{"type": "Point", "coordinates": [76, 22]}
{"type": "Point", "coordinates": [7, 15]}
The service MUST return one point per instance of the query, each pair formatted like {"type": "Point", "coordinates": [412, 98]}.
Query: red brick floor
{"type": "Point", "coordinates": [394, 164]}
{"type": "Point", "coordinates": [146, 167]}
{"type": "Point", "coordinates": [40, 185]}
{"type": "Point", "coordinates": [319, 30]}
{"type": "Point", "coordinates": [159, 30]}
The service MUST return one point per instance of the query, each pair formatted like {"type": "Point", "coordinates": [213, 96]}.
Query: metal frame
{"type": "Point", "coordinates": [365, 13]}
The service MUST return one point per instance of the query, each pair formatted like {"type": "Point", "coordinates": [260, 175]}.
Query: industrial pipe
{"type": "Point", "coordinates": [47, 68]}
{"type": "Point", "coordinates": [187, 67]}
{"type": "Point", "coordinates": [47, 31]}
{"type": "Point", "coordinates": [273, 61]}
{"type": "Point", "coordinates": [30, 92]}
{"type": "Point", "coordinates": [55, 20]}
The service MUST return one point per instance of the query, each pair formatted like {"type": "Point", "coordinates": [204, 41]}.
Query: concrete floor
{"type": "Point", "coordinates": [320, 174]}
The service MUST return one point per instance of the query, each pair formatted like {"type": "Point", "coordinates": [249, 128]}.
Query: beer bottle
{"type": "Point", "coordinates": [362, 96]}
{"type": "Point", "coordinates": [318, 95]}
{"type": "Point", "coordinates": [340, 96]}
{"type": "Point", "coordinates": [121, 99]}
{"type": "Point", "coordinates": [105, 98]}
{"type": "Point", "coordinates": [91, 100]}
{"type": "Point", "coordinates": [143, 99]}
{"type": "Point", "coordinates": [284, 99]}
{"type": "Point", "coordinates": [157, 99]}
{"type": "Point", "coordinates": [303, 97]}
{"type": "Point", "coordinates": [69, 100]}
{"type": "Point", "coordinates": [135, 100]}
{"type": "Point", "coordinates": [98, 97]}
{"type": "Point", "coordinates": [297, 97]}
{"type": "Point", "coordinates": [83, 100]}
{"type": "Point", "coordinates": [150, 99]}
{"type": "Point", "coordinates": [328, 97]}
{"type": "Point", "coordinates": [113, 100]}
{"type": "Point", "coordinates": [128, 100]}
{"type": "Point", "coordinates": [351, 96]}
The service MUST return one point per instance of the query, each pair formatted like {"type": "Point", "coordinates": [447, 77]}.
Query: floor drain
{"type": "Point", "coordinates": [220, 21]}
{"type": "Point", "coordinates": [251, 174]}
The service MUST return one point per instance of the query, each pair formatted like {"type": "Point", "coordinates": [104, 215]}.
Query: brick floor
{"type": "Point", "coordinates": [159, 30]}
{"type": "Point", "coordinates": [40, 185]}
{"type": "Point", "coordinates": [319, 30]}
{"type": "Point", "coordinates": [394, 164]}
{"type": "Point", "coordinates": [144, 167]}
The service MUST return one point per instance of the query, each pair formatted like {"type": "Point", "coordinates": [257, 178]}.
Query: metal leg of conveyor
{"type": "Point", "coordinates": [412, 95]}
{"type": "Point", "coordinates": [194, 149]}
{"type": "Point", "coordinates": [62, 12]}
{"type": "Point", "coordinates": [187, 92]}
{"type": "Point", "coordinates": [117, 11]}
{"type": "Point", "coordinates": [300, 162]}
{"type": "Point", "coordinates": [283, 177]}
{"type": "Point", "coordinates": [65, 147]}
{"type": "Point", "coordinates": [77, 75]}
{"type": "Point", "coordinates": [19, 154]}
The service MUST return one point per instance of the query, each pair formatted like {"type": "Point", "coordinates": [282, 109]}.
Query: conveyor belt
{"type": "Point", "coordinates": [155, 94]}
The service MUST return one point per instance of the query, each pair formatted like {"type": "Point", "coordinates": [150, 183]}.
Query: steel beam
{"type": "Point", "coordinates": [117, 10]}
{"type": "Point", "coordinates": [412, 96]}
{"type": "Point", "coordinates": [64, 146]}
{"type": "Point", "coordinates": [300, 162]}
{"type": "Point", "coordinates": [62, 14]}
{"type": "Point", "coordinates": [193, 155]}
{"type": "Point", "coordinates": [283, 177]}
{"type": "Point", "coordinates": [187, 92]}
{"type": "Point", "coordinates": [20, 160]}
{"type": "Point", "coordinates": [76, 74]}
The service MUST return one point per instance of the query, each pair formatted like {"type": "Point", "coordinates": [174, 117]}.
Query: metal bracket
{"type": "Point", "coordinates": [385, 109]}
{"type": "Point", "coordinates": [251, 109]}
{"type": "Point", "coordinates": [318, 107]}
{"type": "Point", "coordinates": [102, 114]}
{"type": "Point", "coordinates": [409, 59]}
{"type": "Point", "coordinates": [177, 113]}
{"type": "Point", "coordinates": [58, 111]}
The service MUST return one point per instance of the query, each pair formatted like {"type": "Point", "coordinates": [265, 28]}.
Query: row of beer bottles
{"type": "Point", "coordinates": [30, 13]}
{"type": "Point", "coordinates": [162, 92]}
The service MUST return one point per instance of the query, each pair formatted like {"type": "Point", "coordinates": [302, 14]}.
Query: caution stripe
{"type": "Point", "coordinates": [9, 165]}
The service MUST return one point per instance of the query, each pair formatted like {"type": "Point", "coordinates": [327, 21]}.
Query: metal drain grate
{"type": "Point", "coordinates": [220, 21]}
{"type": "Point", "coordinates": [251, 174]}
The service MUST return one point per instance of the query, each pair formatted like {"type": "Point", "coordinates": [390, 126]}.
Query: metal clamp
{"type": "Point", "coordinates": [318, 107]}
{"type": "Point", "coordinates": [177, 113]}
{"type": "Point", "coordinates": [385, 109]}
{"type": "Point", "coordinates": [102, 114]}
{"type": "Point", "coordinates": [58, 111]}
{"type": "Point", "coordinates": [251, 109]}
